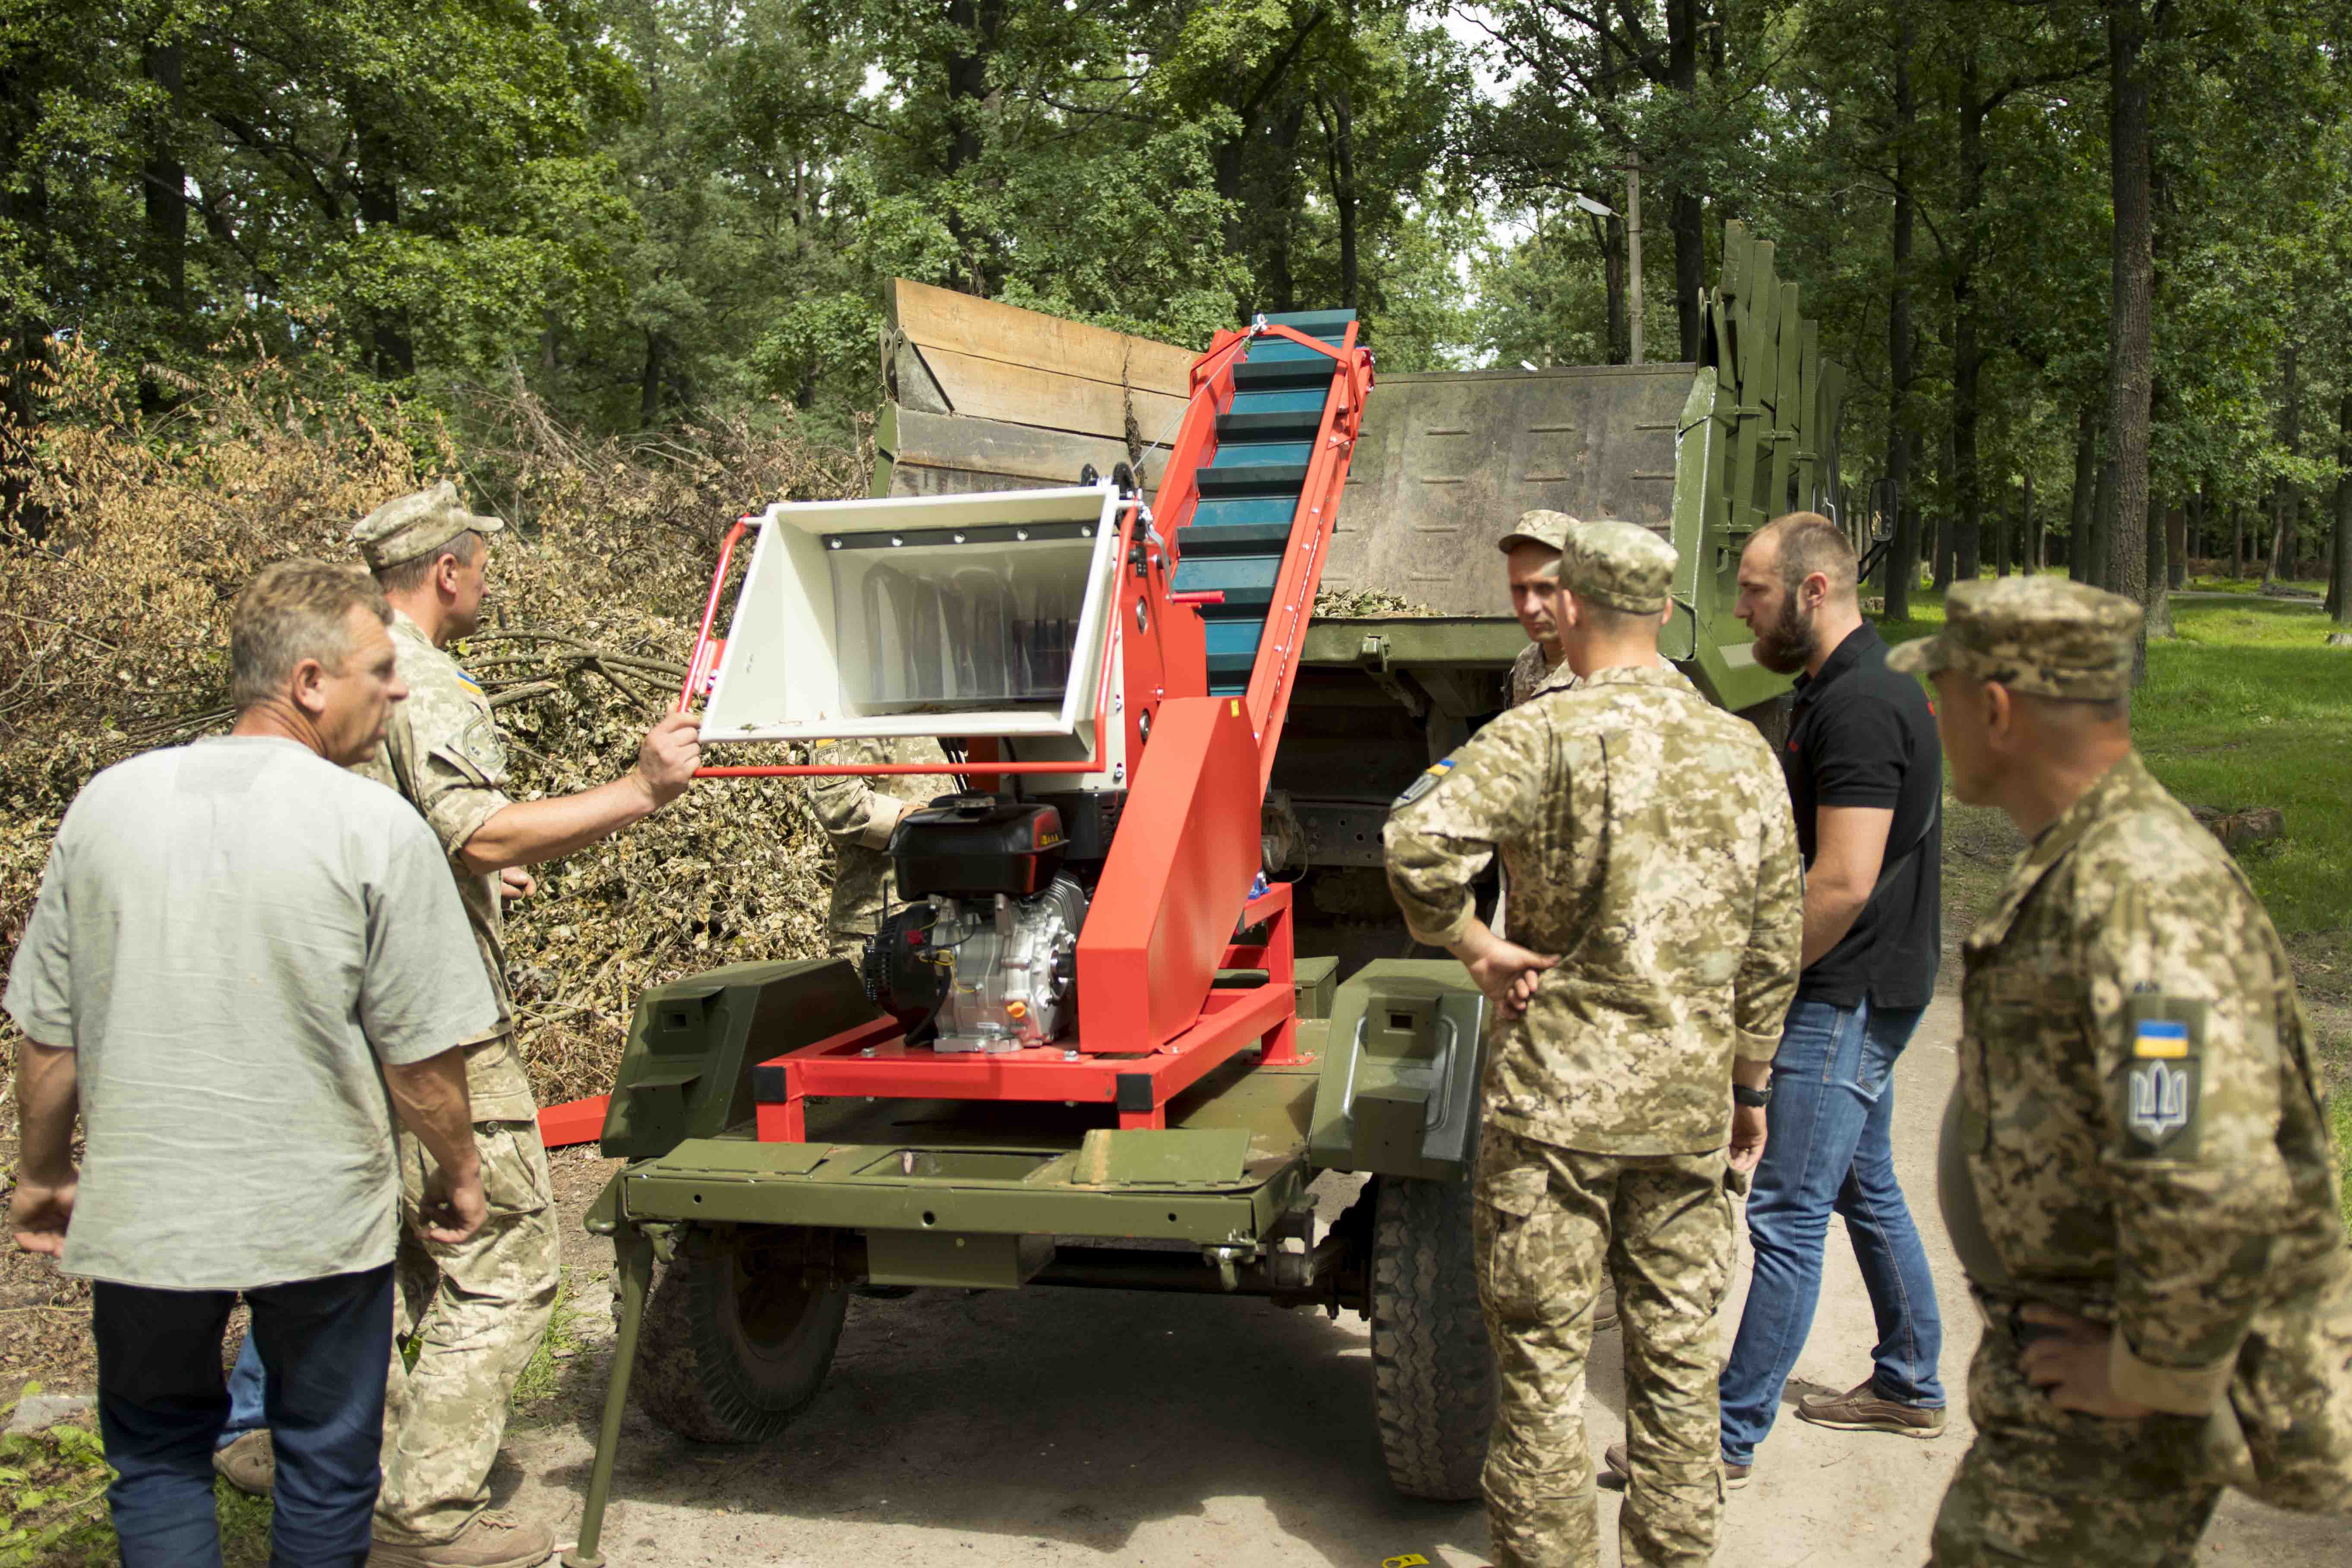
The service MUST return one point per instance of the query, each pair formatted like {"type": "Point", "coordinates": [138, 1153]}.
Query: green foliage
{"type": "Point", "coordinates": [52, 1493]}
{"type": "Point", "coordinates": [656, 211]}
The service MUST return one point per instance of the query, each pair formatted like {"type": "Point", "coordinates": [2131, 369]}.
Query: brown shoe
{"type": "Point", "coordinates": [1614, 1466]}
{"type": "Point", "coordinates": [1604, 1312]}
{"type": "Point", "coordinates": [1859, 1409]}
{"type": "Point", "coordinates": [249, 1464]}
{"type": "Point", "coordinates": [491, 1541]}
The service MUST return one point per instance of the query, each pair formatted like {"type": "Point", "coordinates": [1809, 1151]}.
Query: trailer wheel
{"type": "Point", "coordinates": [1433, 1372]}
{"type": "Point", "coordinates": [735, 1338]}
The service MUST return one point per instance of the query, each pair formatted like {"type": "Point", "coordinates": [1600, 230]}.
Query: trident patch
{"type": "Point", "coordinates": [2160, 1092]}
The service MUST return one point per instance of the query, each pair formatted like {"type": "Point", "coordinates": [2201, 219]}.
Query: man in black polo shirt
{"type": "Point", "coordinates": [1865, 777]}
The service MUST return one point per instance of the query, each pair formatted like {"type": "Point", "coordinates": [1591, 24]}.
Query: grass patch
{"type": "Point", "coordinates": [53, 1503]}
{"type": "Point", "coordinates": [558, 1345]}
{"type": "Point", "coordinates": [2244, 706]}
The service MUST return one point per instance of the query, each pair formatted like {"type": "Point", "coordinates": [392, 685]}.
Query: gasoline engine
{"type": "Point", "coordinates": [984, 957]}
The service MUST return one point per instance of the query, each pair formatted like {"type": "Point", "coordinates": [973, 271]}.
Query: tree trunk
{"type": "Point", "coordinates": [163, 190]}
{"type": "Point", "coordinates": [1899, 567]}
{"type": "Point", "coordinates": [1689, 219]}
{"type": "Point", "coordinates": [378, 199]}
{"type": "Point", "coordinates": [2339, 558]}
{"type": "Point", "coordinates": [649, 381]}
{"type": "Point", "coordinates": [2080, 511]}
{"type": "Point", "coordinates": [2032, 536]}
{"type": "Point", "coordinates": [23, 331]}
{"type": "Point", "coordinates": [1968, 354]}
{"type": "Point", "coordinates": [2103, 528]}
{"type": "Point", "coordinates": [1942, 571]}
{"type": "Point", "coordinates": [2237, 541]}
{"type": "Point", "coordinates": [2176, 548]}
{"type": "Point", "coordinates": [1611, 233]}
{"type": "Point", "coordinates": [2159, 601]}
{"type": "Point", "coordinates": [1340, 135]}
{"type": "Point", "coordinates": [2130, 348]}
{"type": "Point", "coordinates": [2280, 562]}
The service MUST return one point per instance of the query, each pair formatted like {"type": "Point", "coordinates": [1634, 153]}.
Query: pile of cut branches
{"type": "Point", "coordinates": [113, 640]}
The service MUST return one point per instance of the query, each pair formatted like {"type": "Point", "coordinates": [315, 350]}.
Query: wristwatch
{"type": "Point", "coordinates": [1754, 1098]}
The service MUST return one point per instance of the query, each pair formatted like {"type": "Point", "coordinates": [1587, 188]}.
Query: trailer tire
{"type": "Point", "coordinates": [735, 1340]}
{"type": "Point", "coordinates": [1434, 1377]}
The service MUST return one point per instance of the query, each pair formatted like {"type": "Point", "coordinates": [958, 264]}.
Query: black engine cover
{"type": "Point", "coordinates": [975, 846]}
{"type": "Point", "coordinates": [901, 971]}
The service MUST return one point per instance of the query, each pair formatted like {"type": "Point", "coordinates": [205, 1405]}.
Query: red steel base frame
{"type": "Point", "coordinates": [875, 1059]}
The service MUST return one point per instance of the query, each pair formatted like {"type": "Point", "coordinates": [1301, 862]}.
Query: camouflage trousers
{"type": "Point", "coordinates": [2049, 1485]}
{"type": "Point", "coordinates": [476, 1312]}
{"type": "Point", "coordinates": [1550, 1227]}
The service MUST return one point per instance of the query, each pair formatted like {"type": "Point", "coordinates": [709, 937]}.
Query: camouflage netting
{"type": "Point", "coordinates": [113, 635]}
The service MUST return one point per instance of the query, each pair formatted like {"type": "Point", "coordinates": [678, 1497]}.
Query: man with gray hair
{"type": "Point", "coordinates": [234, 940]}
{"type": "Point", "coordinates": [475, 1310]}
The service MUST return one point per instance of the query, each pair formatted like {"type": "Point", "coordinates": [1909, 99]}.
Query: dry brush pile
{"type": "Point", "coordinates": [113, 639]}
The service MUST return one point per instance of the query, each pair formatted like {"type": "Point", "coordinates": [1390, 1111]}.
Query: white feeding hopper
{"type": "Point", "coordinates": [966, 616]}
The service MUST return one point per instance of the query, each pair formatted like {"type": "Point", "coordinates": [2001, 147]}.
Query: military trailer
{"type": "Point", "coordinates": [1148, 984]}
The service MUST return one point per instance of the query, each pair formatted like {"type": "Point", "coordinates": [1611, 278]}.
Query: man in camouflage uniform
{"type": "Point", "coordinates": [2137, 1172]}
{"type": "Point", "coordinates": [476, 1308]}
{"type": "Point", "coordinates": [1532, 562]}
{"type": "Point", "coordinates": [858, 817]}
{"type": "Point", "coordinates": [1657, 914]}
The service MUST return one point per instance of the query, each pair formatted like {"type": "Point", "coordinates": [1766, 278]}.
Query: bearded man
{"type": "Point", "coordinates": [1866, 778]}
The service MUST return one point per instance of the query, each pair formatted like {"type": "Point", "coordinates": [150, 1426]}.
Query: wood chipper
{"type": "Point", "coordinates": [1088, 1047]}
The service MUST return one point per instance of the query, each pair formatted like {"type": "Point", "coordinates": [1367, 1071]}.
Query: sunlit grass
{"type": "Point", "coordinates": [2246, 705]}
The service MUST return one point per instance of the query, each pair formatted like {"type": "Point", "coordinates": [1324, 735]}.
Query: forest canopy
{"type": "Point", "coordinates": [2083, 259]}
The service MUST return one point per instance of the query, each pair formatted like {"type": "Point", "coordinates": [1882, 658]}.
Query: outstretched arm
{"type": "Point", "coordinates": [526, 832]}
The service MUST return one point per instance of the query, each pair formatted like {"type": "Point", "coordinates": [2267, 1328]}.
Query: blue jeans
{"type": "Point", "coordinates": [162, 1402]}
{"type": "Point", "coordinates": [245, 1412]}
{"type": "Point", "coordinates": [1828, 1147]}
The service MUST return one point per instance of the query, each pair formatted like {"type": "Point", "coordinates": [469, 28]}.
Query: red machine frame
{"type": "Point", "coordinates": [1164, 918]}
{"type": "Point", "coordinates": [875, 1059]}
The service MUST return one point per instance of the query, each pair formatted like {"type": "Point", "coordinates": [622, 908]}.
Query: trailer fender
{"type": "Point", "coordinates": [1399, 1091]}
{"type": "Point", "coordinates": [693, 1043]}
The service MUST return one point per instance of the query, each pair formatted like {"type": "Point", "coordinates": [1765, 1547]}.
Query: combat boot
{"type": "Point", "coordinates": [1613, 1464]}
{"type": "Point", "coordinates": [249, 1464]}
{"type": "Point", "coordinates": [491, 1541]}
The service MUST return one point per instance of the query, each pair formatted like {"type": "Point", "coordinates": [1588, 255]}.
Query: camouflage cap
{"type": "Point", "coordinates": [405, 529]}
{"type": "Point", "coordinates": [1548, 529]}
{"type": "Point", "coordinates": [1621, 564]}
{"type": "Point", "coordinates": [2045, 636]}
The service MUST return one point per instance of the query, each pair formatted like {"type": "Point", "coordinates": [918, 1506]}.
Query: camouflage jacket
{"type": "Point", "coordinates": [857, 812]}
{"type": "Point", "coordinates": [1530, 670]}
{"type": "Point", "coordinates": [2138, 1112]}
{"type": "Point", "coordinates": [1647, 840]}
{"type": "Point", "coordinates": [442, 751]}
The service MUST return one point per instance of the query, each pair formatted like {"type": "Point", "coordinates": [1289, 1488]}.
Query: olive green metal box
{"type": "Point", "coordinates": [1399, 1092]}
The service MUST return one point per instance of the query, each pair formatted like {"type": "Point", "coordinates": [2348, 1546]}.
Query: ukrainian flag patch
{"type": "Point", "coordinates": [1431, 777]}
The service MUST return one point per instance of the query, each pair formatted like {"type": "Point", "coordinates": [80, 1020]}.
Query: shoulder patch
{"type": "Point", "coordinates": [468, 682]}
{"type": "Point", "coordinates": [2159, 1094]}
{"type": "Point", "coordinates": [1431, 777]}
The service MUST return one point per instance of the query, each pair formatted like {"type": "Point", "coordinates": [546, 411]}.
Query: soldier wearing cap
{"type": "Point", "coordinates": [476, 1308]}
{"type": "Point", "coordinates": [1657, 918]}
{"type": "Point", "coordinates": [2136, 1166]}
{"type": "Point", "coordinates": [1532, 562]}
